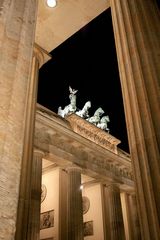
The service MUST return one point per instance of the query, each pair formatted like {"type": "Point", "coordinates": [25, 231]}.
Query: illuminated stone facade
{"type": "Point", "coordinates": [137, 33]}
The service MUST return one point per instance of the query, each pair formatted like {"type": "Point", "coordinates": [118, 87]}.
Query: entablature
{"type": "Point", "coordinates": [55, 136]}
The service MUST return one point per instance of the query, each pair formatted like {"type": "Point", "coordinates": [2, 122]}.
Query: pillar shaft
{"type": "Point", "coordinates": [17, 33]}
{"type": "Point", "coordinates": [75, 212]}
{"type": "Point", "coordinates": [34, 214]}
{"type": "Point", "coordinates": [135, 227]}
{"type": "Point", "coordinates": [114, 218]}
{"type": "Point", "coordinates": [137, 33]}
{"type": "Point", "coordinates": [63, 204]}
{"type": "Point", "coordinates": [130, 216]}
{"type": "Point", "coordinates": [39, 57]}
{"type": "Point", "coordinates": [26, 170]}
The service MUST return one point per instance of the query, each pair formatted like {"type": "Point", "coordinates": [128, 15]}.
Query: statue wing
{"type": "Point", "coordinates": [73, 91]}
{"type": "Point", "coordinates": [70, 89]}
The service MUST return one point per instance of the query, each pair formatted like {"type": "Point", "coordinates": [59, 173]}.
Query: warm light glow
{"type": "Point", "coordinates": [51, 3]}
{"type": "Point", "coordinates": [81, 187]}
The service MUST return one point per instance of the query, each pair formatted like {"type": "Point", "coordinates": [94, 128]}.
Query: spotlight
{"type": "Point", "coordinates": [81, 187]}
{"type": "Point", "coordinates": [51, 3]}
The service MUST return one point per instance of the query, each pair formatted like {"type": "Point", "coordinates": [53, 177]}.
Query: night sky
{"type": "Point", "coordinates": [87, 62]}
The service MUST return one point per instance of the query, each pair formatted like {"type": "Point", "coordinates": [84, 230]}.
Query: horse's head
{"type": "Point", "coordinates": [99, 112]}
{"type": "Point", "coordinates": [87, 105]}
{"type": "Point", "coordinates": [105, 119]}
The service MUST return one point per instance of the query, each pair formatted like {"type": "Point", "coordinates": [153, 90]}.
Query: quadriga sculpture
{"type": "Point", "coordinates": [95, 119]}
{"type": "Point", "coordinates": [71, 108]}
{"type": "Point", "coordinates": [84, 112]}
{"type": "Point", "coordinates": [103, 123]}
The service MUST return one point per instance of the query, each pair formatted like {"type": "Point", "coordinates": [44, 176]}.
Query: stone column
{"type": "Point", "coordinates": [34, 214]}
{"type": "Point", "coordinates": [17, 34]}
{"type": "Point", "coordinates": [40, 56]}
{"type": "Point", "coordinates": [137, 35]}
{"type": "Point", "coordinates": [113, 213]}
{"type": "Point", "coordinates": [130, 216]}
{"type": "Point", "coordinates": [63, 176]}
{"type": "Point", "coordinates": [74, 208]}
{"type": "Point", "coordinates": [132, 203]}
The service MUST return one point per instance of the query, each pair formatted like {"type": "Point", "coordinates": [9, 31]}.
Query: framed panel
{"type": "Point", "coordinates": [47, 219]}
{"type": "Point", "coordinates": [88, 228]}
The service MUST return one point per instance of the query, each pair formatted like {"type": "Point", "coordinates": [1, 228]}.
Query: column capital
{"type": "Point", "coordinates": [73, 168]}
{"type": "Point", "coordinates": [38, 152]}
{"type": "Point", "coordinates": [41, 54]}
{"type": "Point", "coordinates": [132, 194]}
{"type": "Point", "coordinates": [113, 187]}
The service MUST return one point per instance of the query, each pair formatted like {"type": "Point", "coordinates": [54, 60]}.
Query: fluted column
{"type": "Point", "coordinates": [75, 212]}
{"type": "Point", "coordinates": [63, 176]}
{"type": "Point", "coordinates": [130, 216]}
{"type": "Point", "coordinates": [34, 214]}
{"type": "Point", "coordinates": [132, 203]}
{"type": "Point", "coordinates": [137, 35]}
{"type": "Point", "coordinates": [17, 34]}
{"type": "Point", "coordinates": [40, 56]}
{"type": "Point", "coordinates": [113, 212]}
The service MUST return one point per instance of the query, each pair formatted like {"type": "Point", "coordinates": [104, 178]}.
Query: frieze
{"type": "Point", "coordinates": [111, 167]}
{"type": "Point", "coordinates": [93, 133]}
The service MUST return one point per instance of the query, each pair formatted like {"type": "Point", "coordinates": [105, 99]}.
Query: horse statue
{"type": "Point", "coordinates": [103, 123]}
{"type": "Point", "coordinates": [95, 119]}
{"type": "Point", "coordinates": [71, 108]}
{"type": "Point", "coordinates": [84, 112]}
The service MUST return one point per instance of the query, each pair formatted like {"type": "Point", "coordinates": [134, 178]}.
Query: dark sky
{"type": "Point", "coordinates": [87, 62]}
